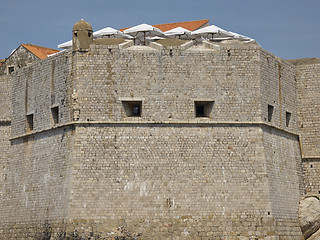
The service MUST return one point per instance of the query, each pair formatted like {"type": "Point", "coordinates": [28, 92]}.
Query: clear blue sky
{"type": "Point", "coordinates": [287, 28]}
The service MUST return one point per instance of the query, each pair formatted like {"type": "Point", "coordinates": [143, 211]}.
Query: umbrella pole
{"type": "Point", "coordinates": [144, 42]}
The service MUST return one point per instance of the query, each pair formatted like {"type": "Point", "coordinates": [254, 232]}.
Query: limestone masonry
{"type": "Point", "coordinates": [110, 140]}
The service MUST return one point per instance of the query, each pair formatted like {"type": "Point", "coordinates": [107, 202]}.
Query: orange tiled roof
{"type": "Point", "coordinates": [40, 52]}
{"type": "Point", "coordinates": [190, 25]}
{"type": "Point", "coordinates": [1, 61]}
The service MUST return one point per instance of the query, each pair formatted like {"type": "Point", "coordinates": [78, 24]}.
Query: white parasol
{"type": "Point", "coordinates": [241, 37]}
{"type": "Point", "coordinates": [179, 32]}
{"type": "Point", "coordinates": [142, 31]}
{"type": "Point", "coordinates": [110, 32]}
{"type": "Point", "coordinates": [212, 32]}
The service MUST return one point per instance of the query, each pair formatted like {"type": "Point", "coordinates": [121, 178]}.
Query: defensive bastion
{"type": "Point", "coordinates": [110, 140]}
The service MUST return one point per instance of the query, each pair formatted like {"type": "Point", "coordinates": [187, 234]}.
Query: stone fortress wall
{"type": "Point", "coordinates": [37, 178]}
{"type": "Point", "coordinates": [5, 121]}
{"type": "Point", "coordinates": [307, 77]}
{"type": "Point", "coordinates": [82, 165]}
{"type": "Point", "coordinates": [232, 79]}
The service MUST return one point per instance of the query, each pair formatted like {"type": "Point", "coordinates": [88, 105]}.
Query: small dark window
{"type": "Point", "coordinates": [203, 108]}
{"type": "Point", "coordinates": [200, 111]}
{"type": "Point", "coordinates": [10, 70]}
{"type": "Point", "coordinates": [29, 122]}
{"type": "Point", "coordinates": [270, 112]}
{"type": "Point", "coordinates": [89, 34]}
{"type": "Point", "coordinates": [132, 108]}
{"type": "Point", "coordinates": [75, 34]}
{"type": "Point", "coordinates": [288, 116]}
{"type": "Point", "coordinates": [136, 110]}
{"type": "Point", "coordinates": [55, 114]}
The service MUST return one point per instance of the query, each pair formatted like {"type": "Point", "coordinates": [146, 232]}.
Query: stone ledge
{"type": "Point", "coordinates": [178, 123]}
{"type": "Point", "coordinates": [156, 45]}
{"type": "Point", "coordinates": [126, 44]}
{"type": "Point", "coordinates": [211, 45]}
{"type": "Point", "coordinates": [304, 61]}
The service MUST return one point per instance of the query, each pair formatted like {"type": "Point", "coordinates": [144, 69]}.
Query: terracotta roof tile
{"type": "Point", "coordinates": [40, 52]}
{"type": "Point", "coordinates": [190, 25]}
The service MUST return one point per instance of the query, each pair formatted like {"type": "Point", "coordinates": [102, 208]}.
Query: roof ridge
{"type": "Point", "coordinates": [207, 20]}
{"type": "Point", "coordinates": [168, 26]}
{"type": "Point", "coordinates": [39, 51]}
{"type": "Point", "coordinates": [33, 45]}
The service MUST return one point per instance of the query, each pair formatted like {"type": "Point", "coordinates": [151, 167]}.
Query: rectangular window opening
{"type": "Point", "coordinates": [10, 70]}
{"type": "Point", "coordinates": [270, 112]}
{"type": "Point", "coordinates": [29, 122]}
{"type": "Point", "coordinates": [288, 116]}
{"type": "Point", "coordinates": [132, 108]}
{"type": "Point", "coordinates": [203, 108]}
{"type": "Point", "coordinates": [55, 115]}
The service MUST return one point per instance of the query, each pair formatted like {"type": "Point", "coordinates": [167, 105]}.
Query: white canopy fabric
{"type": "Point", "coordinates": [65, 45]}
{"type": "Point", "coordinates": [241, 37]}
{"type": "Point", "coordinates": [143, 30]}
{"type": "Point", "coordinates": [212, 32]}
{"type": "Point", "coordinates": [178, 32]}
{"type": "Point", "coordinates": [110, 32]}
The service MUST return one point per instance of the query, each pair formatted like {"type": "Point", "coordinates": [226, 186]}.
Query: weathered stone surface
{"type": "Point", "coordinates": [307, 76]}
{"type": "Point", "coordinates": [315, 236]}
{"type": "Point", "coordinates": [309, 215]}
{"type": "Point", "coordinates": [89, 169]}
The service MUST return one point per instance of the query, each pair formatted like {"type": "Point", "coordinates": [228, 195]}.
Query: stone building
{"type": "Point", "coordinates": [173, 140]}
{"type": "Point", "coordinates": [22, 56]}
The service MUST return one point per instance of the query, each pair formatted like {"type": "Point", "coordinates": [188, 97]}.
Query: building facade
{"type": "Point", "coordinates": [166, 141]}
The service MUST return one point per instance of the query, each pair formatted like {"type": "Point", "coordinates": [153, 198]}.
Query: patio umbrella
{"type": "Point", "coordinates": [109, 32]}
{"type": "Point", "coordinates": [179, 32]}
{"type": "Point", "coordinates": [143, 30]}
{"type": "Point", "coordinates": [65, 45]}
{"type": "Point", "coordinates": [213, 31]}
{"type": "Point", "coordinates": [241, 37]}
